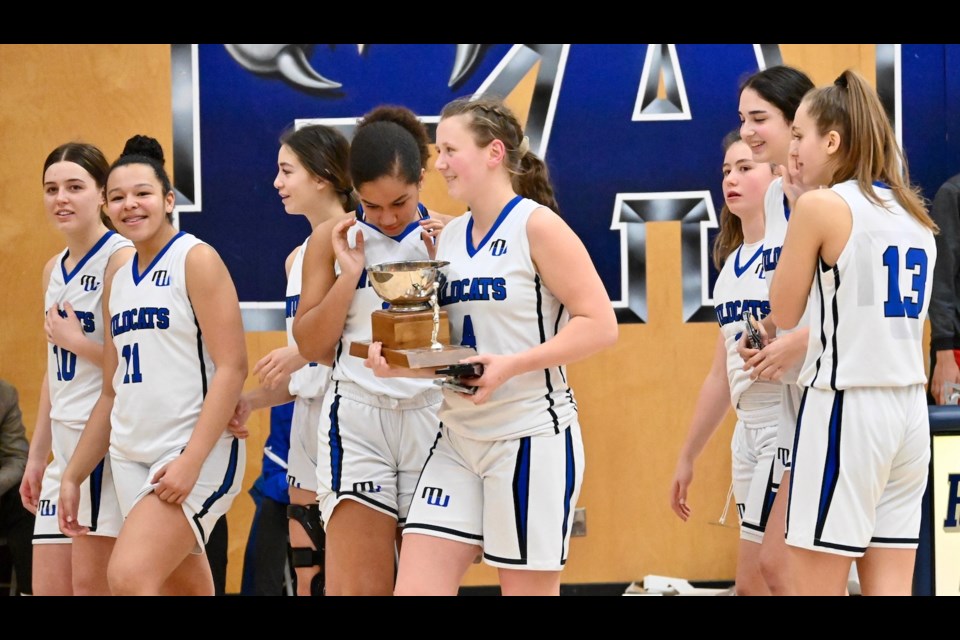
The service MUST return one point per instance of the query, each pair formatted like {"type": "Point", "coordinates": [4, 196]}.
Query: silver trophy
{"type": "Point", "coordinates": [413, 330]}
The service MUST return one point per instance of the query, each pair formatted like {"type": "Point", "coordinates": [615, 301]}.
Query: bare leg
{"type": "Point", "coordinates": [90, 557]}
{"type": "Point", "coordinates": [886, 572]}
{"type": "Point", "coordinates": [52, 569]}
{"type": "Point", "coordinates": [433, 566]}
{"type": "Point", "coordinates": [817, 573]}
{"type": "Point", "coordinates": [750, 581]}
{"type": "Point", "coordinates": [774, 553]}
{"type": "Point", "coordinates": [514, 582]}
{"type": "Point", "coordinates": [154, 541]}
{"type": "Point", "coordinates": [189, 579]}
{"type": "Point", "coordinates": [360, 551]}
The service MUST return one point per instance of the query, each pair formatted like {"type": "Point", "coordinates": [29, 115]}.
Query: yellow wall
{"type": "Point", "coordinates": [635, 399]}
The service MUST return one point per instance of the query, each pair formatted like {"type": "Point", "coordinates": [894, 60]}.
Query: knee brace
{"type": "Point", "coordinates": [309, 518]}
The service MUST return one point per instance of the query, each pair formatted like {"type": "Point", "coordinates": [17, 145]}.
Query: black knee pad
{"type": "Point", "coordinates": [309, 518]}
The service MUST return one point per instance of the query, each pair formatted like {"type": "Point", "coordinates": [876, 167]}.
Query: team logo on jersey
{"type": "Point", "coordinates": [498, 248]}
{"type": "Point", "coordinates": [47, 508]}
{"type": "Point", "coordinates": [434, 496]}
{"type": "Point", "coordinates": [161, 278]}
{"type": "Point", "coordinates": [783, 456]}
{"type": "Point", "coordinates": [89, 283]}
{"type": "Point", "coordinates": [770, 258]}
{"type": "Point", "coordinates": [366, 487]}
{"type": "Point", "coordinates": [292, 481]}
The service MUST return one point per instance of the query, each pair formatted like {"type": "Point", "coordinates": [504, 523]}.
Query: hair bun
{"type": "Point", "coordinates": [140, 145]}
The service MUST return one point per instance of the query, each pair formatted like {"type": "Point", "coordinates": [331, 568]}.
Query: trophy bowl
{"type": "Point", "coordinates": [406, 286]}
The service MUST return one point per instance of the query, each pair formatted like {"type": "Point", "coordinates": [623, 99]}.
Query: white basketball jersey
{"type": "Point", "coordinates": [378, 247]}
{"type": "Point", "coordinates": [777, 213]}
{"type": "Point", "coordinates": [740, 287]}
{"type": "Point", "coordinates": [74, 382]}
{"type": "Point", "coordinates": [867, 311]}
{"type": "Point", "coordinates": [309, 380]}
{"type": "Point", "coordinates": [163, 368]}
{"type": "Point", "coordinates": [497, 303]}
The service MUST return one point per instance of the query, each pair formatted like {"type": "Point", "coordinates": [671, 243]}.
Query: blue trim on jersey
{"type": "Point", "coordinates": [556, 330]}
{"type": "Point", "coordinates": [831, 466]}
{"type": "Point", "coordinates": [136, 259]}
{"type": "Point", "coordinates": [471, 251]}
{"type": "Point", "coordinates": [896, 540]}
{"type": "Point", "coordinates": [568, 486]}
{"type": "Point", "coordinates": [504, 560]}
{"type": "Point", "coordinates": [521, 494]}
{"type": "Point", "coordinates": [455, 532]}
{"type": "Point", "coordinates": [203, 365]}
{"type": "Point", "coordinates": [786, 208]}
{"type": "Point", "coordinates": [769, 496]}
{"type": "Point", "coordinates": [93, 250]}
{"type": "Point", "coordinates": [836, 322]}
{"type": "Point", "coordinates": [410, 228]}
{"type": "Point", "coordinates": [838, 547]}
{"type": "Point", "coordinates": [336, 444]}
{"type": "Point", "coordinates": [880, 184]}
{"type": "Point", "coordinates": [96, 493]}
{"type": "Point", "coordinates": [736, 260]}
{"type": "Point", "coordinates": [538, 285]}
{"type": "Point", "coordinates": [823, 329]}
{"type": "Point", "coordinates": [362, 497]}
{"type": "Point", "coordinates": [433, 447]}
{"type": "Point", "coordinates": [794, 453]}
{"type": "Point", "coordinates": [228, 479]}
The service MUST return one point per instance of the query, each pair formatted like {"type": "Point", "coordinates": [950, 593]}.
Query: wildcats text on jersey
{"type": "Point", "coordinates": [732, 310]}
{"type": "Point", "coordinates": [88, 321]}
{"type": "Point", "coordinates": [141, 318]}
{"type": "Point", "coordinates": [480, 288]}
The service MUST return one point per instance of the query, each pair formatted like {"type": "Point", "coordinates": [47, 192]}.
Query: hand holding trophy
{"type": "Point", "coordinates": [414, 332]}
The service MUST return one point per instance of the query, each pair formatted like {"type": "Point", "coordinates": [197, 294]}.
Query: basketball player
{"type": "Point", "coordinates": [374, 434]}
{"type": "Point", "coordinates": [505, 471]}
{"type": "Point", "coordinates": [740, 287]}
{"type": "Point", "coordinates": [313, 181]}
{"type": "Point", "coordinates": [74, 175]}
{"type": "Point", "coordinates": [864, 241]}
{"type": "Point", "coordinates": [173, 372]}
{"type": "Point", "coordinates": [768, 102]}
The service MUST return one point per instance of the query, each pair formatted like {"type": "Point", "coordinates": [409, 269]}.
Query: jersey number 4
{"type": "Point", "coordinates": [915, 261]}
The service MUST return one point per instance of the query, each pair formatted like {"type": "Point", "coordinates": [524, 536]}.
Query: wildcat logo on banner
{"type": "Point", "coordinates": [631, 134]}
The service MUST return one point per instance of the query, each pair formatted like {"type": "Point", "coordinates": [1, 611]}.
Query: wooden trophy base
{"type": "Point", "coordinates": [406, 339]}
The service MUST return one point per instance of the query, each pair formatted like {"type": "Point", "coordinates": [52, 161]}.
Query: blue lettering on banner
{"type": "Point", "coordinates": [953, 500]}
